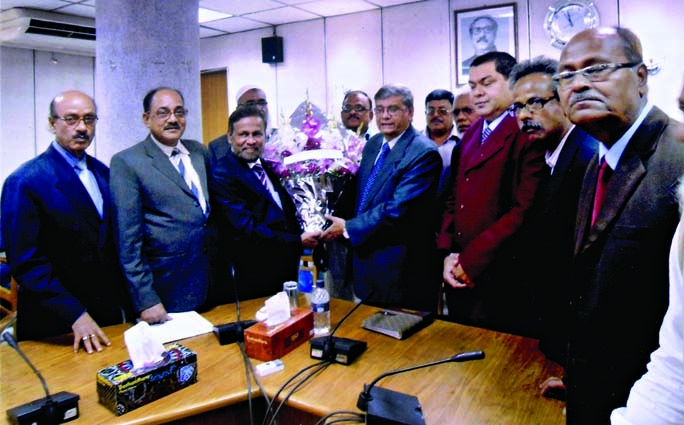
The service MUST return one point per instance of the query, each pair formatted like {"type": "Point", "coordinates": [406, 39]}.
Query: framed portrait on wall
{"type": "Point", "coordinates": [482, 30]}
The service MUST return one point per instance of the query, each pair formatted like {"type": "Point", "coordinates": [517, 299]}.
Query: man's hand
{"type": "Point", "coordinates": [86, 331]}
{"type": "Point", "coordinates": [155, 314]}
{"type": "Point", "coordinates": [335, 230]}
{"type": "Point", "coordinates": [453, 273]}
{"type": "Point", "coordinates": [310, 239]}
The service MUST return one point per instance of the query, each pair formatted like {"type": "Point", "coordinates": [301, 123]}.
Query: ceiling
{"type": "Point", "coordinates": [246, 14]}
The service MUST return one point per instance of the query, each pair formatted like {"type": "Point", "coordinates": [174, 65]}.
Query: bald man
{"type": "Point", "coordinates": [57, 230]}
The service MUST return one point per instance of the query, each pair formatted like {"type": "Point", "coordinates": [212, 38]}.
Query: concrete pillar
{"type": "Point", "coordinates": [142, 45]}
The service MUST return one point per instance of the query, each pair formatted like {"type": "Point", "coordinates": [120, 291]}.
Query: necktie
{"type": "Point", "coordinates": [603, 176]}
{"type": "Point", "coordinates": [181, 170]}
{"type": "Point", "coordinates": [259, 170]}
{"type": "Point", "coordinates": [486, 131]}
{"type": "Point", "coordinates": [88, 180]}
{"type": "Point", "coordinates": [384, 152]}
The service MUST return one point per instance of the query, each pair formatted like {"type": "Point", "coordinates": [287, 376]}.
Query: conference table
{"type": "Point", "coordinates": [503, 388]}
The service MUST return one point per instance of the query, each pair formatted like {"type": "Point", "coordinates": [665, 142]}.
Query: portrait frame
{"type": "Point", "coordinates": [505, 38]}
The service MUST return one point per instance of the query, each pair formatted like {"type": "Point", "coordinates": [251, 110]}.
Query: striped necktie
{"type": "Point", "coordinates": [486, 131]}
{"type": "Point", "coordinates": [373, 175]}
{"type": "Point", "coordinates": [259, 170]}
{"type": "Point", "coordinates": [181, 170]}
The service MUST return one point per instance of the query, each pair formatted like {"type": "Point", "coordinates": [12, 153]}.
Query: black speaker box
{"type": "Point", "coordinates": [272, 49]}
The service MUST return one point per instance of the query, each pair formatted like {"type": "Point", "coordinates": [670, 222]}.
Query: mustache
{"type": "Point", "coordinates": [529, 126]}
{"type": "Point", "coordinates": [578, 97]}
{"type": "Point", "coordinates": [437, 120]}
{"type": "Point", "coordinates": [82, 136]}
{"type": "Point", "coordinates": [482, 39]}
{"type": "Point", "coordinates": [172, 126]}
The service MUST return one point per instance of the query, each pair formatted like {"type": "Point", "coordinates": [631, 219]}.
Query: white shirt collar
{"type": "Point", "coordinates": [613, 154]}
{"type": "Point", "coordinates": [552, 157]}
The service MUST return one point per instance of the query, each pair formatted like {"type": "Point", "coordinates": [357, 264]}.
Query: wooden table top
{"type": "Point", "coordinates": [502, 388]}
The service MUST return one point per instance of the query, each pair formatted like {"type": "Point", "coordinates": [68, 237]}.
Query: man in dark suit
{"type": "Point", "coordinates": [248, 95]}
{"type": "Point", "coordinates": [494, 183]}
{"type": "Point", "coordinates": [56, 227]}
{"type": "Point", "coordinates": [160, 196]}
{"type": "Point", "coordinates": [256, 216]}
{"type": "Point", "coordinates": [391, 230]}
{"type": "Point", "coordinates": [550, 230]}
{"type": "Point", "coordinates": [626, 219]}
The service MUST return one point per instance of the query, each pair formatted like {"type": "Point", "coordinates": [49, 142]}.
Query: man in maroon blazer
{"type": "Point", "coordinates": [496, 179]}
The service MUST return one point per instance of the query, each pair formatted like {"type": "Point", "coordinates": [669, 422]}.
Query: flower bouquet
{"type": "Point", "coordinates": [310, 160]}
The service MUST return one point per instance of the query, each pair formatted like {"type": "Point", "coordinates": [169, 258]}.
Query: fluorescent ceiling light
{"type": "Point", "coordinates": [208, 15]}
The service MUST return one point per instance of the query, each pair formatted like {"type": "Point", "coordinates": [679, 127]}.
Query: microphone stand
{"type": "Point", "coordinates": [390, 407]}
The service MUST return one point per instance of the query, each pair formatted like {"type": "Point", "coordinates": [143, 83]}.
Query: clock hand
{"type": "Point", "coordinates": [567, 15]}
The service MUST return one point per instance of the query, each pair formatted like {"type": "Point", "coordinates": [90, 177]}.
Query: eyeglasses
{"type": "Point", "coordinates": [73, 120]}
{"type": "Point", "coordinates": [593, 73]}
{"type": "Point", "coordinates": [259, 103]}
{"type": "Point", "coordinates": [392, 110]}
{"type": "Point", "coordinates": [534, 104]}
{"type": "Point", "coordinates": [489, 29]}
{"type": "Point", "coordinates": [356, 108]}
{"type": "Point", "coordinates": [440, 111]}
{"type": "Point", "coordinates": [164, 114]}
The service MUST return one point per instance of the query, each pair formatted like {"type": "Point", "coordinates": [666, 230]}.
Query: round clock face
{"type": "Point", "coordinates": [568, 18]}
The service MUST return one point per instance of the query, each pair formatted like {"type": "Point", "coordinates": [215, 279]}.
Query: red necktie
{"type": "Point", "coordinates": [603, 176]}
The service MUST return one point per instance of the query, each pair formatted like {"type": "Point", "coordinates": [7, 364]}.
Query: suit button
{"type": "Point", "coordinates": [461, 207]}
{"type": "Point", "coordinates": [459, 234]}
{"type": "Point", "coordinates": [467, 179]}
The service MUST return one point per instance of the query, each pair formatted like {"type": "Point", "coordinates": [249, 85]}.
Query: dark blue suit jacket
{"type": "Point", "coordinates": [263, 240]}
{"type": "Point", "coordinates": [393, 235]}
{"type": "Point", "coordinates": [60, 251]}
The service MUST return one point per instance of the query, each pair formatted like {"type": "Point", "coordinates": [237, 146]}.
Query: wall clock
{"type": "Point", "coordinates": [568, 17]}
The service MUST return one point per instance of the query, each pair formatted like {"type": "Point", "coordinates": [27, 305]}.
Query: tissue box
{"type": "Point", "coordinates": [270, 343]}
{"type": "Point", "coordinates": [122, 390]}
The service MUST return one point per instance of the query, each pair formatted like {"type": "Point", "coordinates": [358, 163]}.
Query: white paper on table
{"type": "Point", "coordinates": [184, 325]}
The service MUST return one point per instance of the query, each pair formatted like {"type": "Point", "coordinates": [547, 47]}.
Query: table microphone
{"type": "Point", "coordinates": [339, 350]}
{"type": "Point", "coordinates": [49, 410]}
{"type": "Point", "coordinates": [387, 407]}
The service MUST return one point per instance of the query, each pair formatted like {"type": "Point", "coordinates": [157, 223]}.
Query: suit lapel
{"type": "Point", "coordinates": [478, 154]}
{"type": "Point", "coordinates": [586, 203]}
{"type": "Point", "coordinates": [68, 183]}
{"type": "Point", "coordinates": [631, 169]}
{"type": "Point", "coordinates": [162, 164]}
{"type": "Point", "coordinates": [394, 157]}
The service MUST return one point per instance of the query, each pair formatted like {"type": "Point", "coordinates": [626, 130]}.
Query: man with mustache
{"type": "Point", "coordinates": [255, 214]}
{"type": "Point", "coordinates": [494, 185]}
{"type": "Point", "coordinates": [482, 33]}
{"type": "Point", "coordinates": [56, 226]}
{"type": "Point", "coordinates": [439, 114]}
{"type": "Point", "coordinates": [357, 112]}
{"type": "Point", "coordinates": [549, 233]}
{"type": "Point", "coordinates": [160, 196]}
{"type": "Point", "coordinates": [626, 218]}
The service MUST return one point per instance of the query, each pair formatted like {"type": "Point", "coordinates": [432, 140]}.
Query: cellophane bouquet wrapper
{"type": "Point", "coordinates": [310, 159]}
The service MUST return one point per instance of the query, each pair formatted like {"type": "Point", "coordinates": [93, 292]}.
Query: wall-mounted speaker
{"type": "Point", "coordinates": [272, 49]}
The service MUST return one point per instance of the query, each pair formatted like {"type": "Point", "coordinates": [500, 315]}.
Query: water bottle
{"type": "Point", "coordinates": [305, 286]}
{"type": "Point", "coordinates": [320, 304]}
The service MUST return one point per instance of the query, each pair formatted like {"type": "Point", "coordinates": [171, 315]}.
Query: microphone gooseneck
{"type": "Point", "coordinates": [365, 396]}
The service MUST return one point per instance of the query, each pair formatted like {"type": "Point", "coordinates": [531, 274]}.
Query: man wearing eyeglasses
{"type": "Point", "coordinates": [160, 197]}
{"type": "Point", "coordinates": [56, 226]}
{"type": "Point", "coordinates": [440, 128]}
{"type": "Point", "coordinates": [494, 180]}
{"type": "Point", "coordinates": [247, 95]}
{"type": "Point", "coordinates": [357, 112]}
{"type": "Point", "coordinates": [626, 218]}
{"type": "Point", "coordinates": [391, 228]}
{"type": "Point", "coordinates": [549, 233]}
